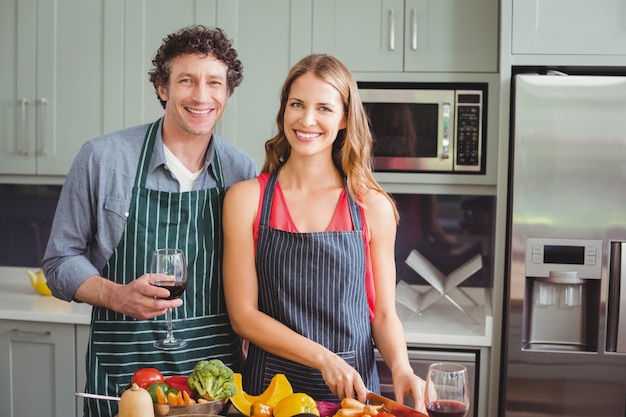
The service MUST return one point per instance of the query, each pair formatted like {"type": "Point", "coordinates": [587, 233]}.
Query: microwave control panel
{"type": "Point", "coordinates": [468, 130]}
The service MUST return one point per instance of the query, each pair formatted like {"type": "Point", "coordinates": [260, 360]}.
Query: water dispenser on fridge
{"type": "Point", "coordinates": [562, 294]}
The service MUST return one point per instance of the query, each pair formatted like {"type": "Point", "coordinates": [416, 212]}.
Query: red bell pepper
{"type": "Point", "coordinates": [180, 383]}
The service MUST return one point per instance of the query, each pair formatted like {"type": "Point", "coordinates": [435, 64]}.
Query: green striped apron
{"type": "Point", "coordinates": [119, 345]}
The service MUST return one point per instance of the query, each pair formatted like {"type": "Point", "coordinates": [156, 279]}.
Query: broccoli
{"type": "Point", "coordinates": [213, 380]}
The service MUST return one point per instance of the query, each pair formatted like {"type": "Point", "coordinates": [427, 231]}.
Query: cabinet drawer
{"type": "Point", "coordinates": [36, 358]}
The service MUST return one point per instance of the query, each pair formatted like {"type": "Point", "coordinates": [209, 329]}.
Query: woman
{"type": "Point", "coordinates": [309, 271]}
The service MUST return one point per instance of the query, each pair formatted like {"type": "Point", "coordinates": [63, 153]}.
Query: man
{"type": "Point", "coordinates": [158, 185]}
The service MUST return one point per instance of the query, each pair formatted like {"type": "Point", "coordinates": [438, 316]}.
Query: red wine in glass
{"type": "Point", "coordinates": [446, 408]}
{"type": "Point", "coordinates": [175, 288]}
{"type": "Point", "coordinates": [169, 270]}
{"type": "Point", "coordinates": [447, 390]}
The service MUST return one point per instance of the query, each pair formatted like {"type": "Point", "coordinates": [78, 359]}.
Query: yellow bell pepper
{"type": "Point", "coordinates": [294, 404]}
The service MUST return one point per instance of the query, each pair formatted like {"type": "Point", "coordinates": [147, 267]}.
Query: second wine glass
{"type": "Point", "coordinates": [169, 271]}
{"type": "Point", "coordinates": [447, 390]}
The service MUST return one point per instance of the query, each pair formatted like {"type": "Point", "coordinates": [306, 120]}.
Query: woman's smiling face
{"type": "Point", "coordinates": [314, 115]}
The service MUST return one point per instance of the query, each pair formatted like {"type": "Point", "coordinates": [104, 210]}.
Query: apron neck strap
{"type": "Point", "coordinates": [266, 206]}
{"type": "Point", "coordinates": [146, 155]}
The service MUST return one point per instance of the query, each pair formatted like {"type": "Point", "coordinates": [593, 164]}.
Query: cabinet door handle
{"type": "Point", "coordinates": [23, 133]}
{"type": "Point", "coordinates": [392, 30]}
{"type": "Point", "coordinates": [32, 332]}
{"type": "Point", "coordinates": [414, 29]}
{"type": "Point", "coordinates": [41, 113]}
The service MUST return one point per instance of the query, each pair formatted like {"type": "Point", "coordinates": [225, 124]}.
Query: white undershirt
{"type": "Point", "coordinates": [185, 177]}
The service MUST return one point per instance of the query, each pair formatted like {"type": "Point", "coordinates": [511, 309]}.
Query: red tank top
{"type": "Point", "coordinates": [281, 219]}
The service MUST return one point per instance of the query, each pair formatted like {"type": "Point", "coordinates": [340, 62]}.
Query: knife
{"type": "Point", "coordinates": [393, 407]}
{"type": "Point", "coordinates": [96, 396]}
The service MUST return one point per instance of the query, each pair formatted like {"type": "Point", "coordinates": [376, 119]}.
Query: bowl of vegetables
{"type": "Point", "coordinates": [204, 392]}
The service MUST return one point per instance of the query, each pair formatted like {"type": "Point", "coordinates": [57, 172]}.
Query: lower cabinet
{"type": "Point", "coordinates": [420, 359]}
{"type": "Point", "coordinates": [38, 369]}
{"type": "Point", "coordinates": [82, 339]}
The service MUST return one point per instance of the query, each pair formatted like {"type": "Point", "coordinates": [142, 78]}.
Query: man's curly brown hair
{"type": "Point", "coordinates": [195, 40]}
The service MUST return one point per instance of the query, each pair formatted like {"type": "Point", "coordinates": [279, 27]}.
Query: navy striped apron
{"type": "Point", "coordinates": [119, 345]}
{"type": "Point", "coordinates": [314, 283]}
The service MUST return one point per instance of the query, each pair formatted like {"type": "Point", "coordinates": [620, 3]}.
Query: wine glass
{"type": "Point", "coordinates": [169, 271]}
{"type": "Point", "coordinates": [447, 390]}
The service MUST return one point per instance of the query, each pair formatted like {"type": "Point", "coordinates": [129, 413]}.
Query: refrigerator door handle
{"type": "Point", "coordinates": [616, 308]}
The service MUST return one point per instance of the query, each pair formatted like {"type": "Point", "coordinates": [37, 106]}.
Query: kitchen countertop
{"type": "Point", "coordinates": [20, 301]}
{"type": "Point", "coordinates": [442, 323]}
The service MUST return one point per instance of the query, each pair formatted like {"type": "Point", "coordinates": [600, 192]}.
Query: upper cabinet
{"type": "Point", "coordinates": [261, 33]}
{"type": "Point", "coordinates": [51, 87]}
{"type": "Point", "coordinates": [130, 48]}
{"type": "Point", "coordinates": [569, 27]}
{"type": "Point", "coordinates": [409, 35]}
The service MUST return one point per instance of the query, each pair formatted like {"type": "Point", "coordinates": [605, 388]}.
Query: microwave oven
{"type": "Point", "coordinates": [427, 127]}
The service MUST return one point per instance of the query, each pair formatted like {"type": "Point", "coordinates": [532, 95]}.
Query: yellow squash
{"type": "Point", "coordinates": [278, 389]}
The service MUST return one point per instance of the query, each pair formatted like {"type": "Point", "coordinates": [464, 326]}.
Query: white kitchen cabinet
{"type": "Point", "coordinates": [129, 52]}
{"type": "Point", "coordinates": [82, 340]}
{"type": "Point", "coordinates": [267, 36]}
{"type": "Point", "coordinates": [261, 33]}
{"type": "Point", "coordinates": [51, 87]}
{"type": "Point", "coordinates": [568, 27]}
{"type": "Point", "coordinates": [408, 35]}
{"type": "Point", "coordinates": [37, 369]}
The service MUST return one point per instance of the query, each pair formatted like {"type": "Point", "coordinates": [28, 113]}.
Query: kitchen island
{"type": "Point", "coordinates": [44, 339]}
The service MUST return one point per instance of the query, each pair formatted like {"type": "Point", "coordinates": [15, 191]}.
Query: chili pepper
{"type": "Point", "coordinates": [294, 404]}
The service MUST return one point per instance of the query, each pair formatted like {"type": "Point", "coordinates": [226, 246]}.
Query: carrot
{"type": "Point", "coordinates": [352, 403]}
{"type": "Point", "coordinates": [187, 399]}
{"type": "Point", "coordinates": [172, 399]}
{"type": "Point", "coordinates": [179, 398]}
{"type": "Point", "coordinates": [160, 396]}
{"type": "Point", "coordinates": [349, 412]}
{"type": "Point", "coordinates": [370, 409]}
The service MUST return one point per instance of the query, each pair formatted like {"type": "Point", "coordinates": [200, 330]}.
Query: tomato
{"type": "Point", "coordinates": [145, 377]}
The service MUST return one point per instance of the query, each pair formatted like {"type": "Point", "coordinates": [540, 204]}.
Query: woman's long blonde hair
{"type": "Point", "coordinates": [352, 150]}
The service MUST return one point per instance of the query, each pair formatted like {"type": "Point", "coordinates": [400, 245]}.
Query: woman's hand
{"type": "Point", "coordinates": [405, 383]}
{"type": "Point", "coordinates": [342, 379]}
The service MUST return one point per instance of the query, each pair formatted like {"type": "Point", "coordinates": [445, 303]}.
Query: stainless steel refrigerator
{"type": "Point", "coordinates": [565, 314]}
